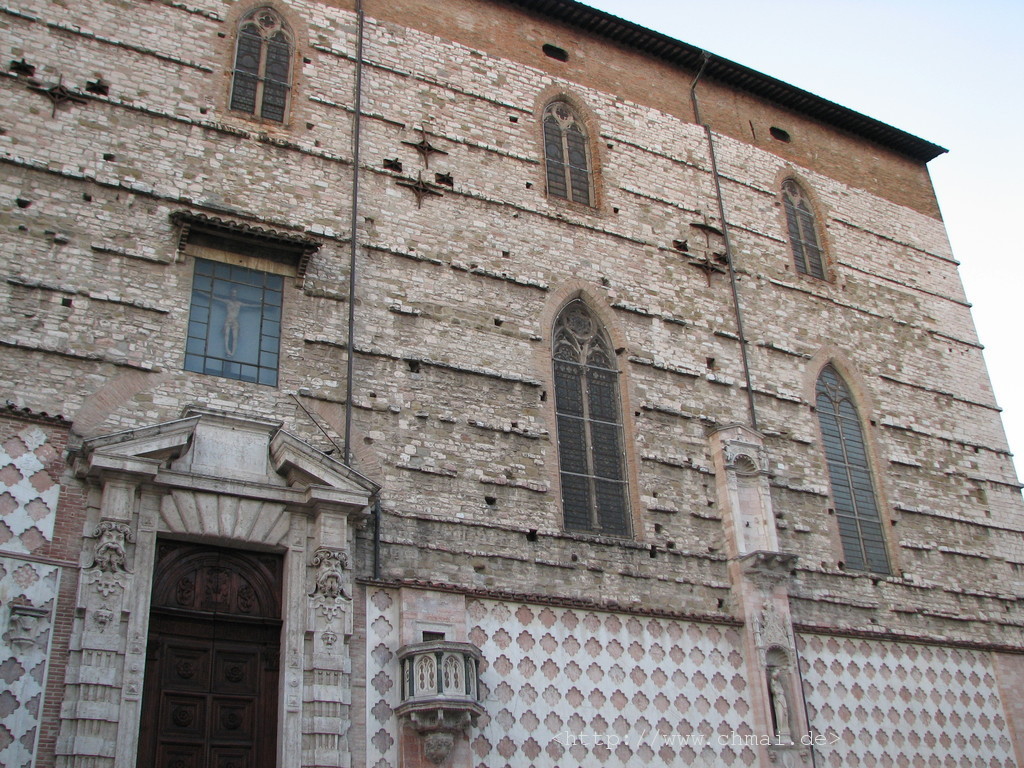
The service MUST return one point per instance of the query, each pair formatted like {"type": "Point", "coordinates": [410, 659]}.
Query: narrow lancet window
{"type": "Point", "coordinates": [565, 154]}
{"type": "Point", "coordinates": [262, 61]}
{"type": "Point", "coordinates": [803, 237]}
{"type": "Point", "coordinates": [853, 490]}
{"type": "Point", "coordinates": [590, 435]}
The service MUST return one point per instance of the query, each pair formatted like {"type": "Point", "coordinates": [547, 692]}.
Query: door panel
{"type": "Point", "coordinates": [210, 698]}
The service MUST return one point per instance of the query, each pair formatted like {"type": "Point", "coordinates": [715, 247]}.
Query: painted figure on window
{"type": "Point", "coordinates": [234, 325]}
{"type": "Point", "coordinates": [232, 308]}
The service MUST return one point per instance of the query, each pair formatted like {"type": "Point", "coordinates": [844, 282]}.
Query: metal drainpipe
{"type": "Point", "coordinates": [739, 324]}
{"type": "Point", "coordinates": [377, 514]}
{"type": "Point", "coordinates": [725, 233]}
{"type": "Point", "coordinates": [353, 232]}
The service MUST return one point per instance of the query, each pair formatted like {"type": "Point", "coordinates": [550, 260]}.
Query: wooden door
{"type": "Point", "coordinates": [210, 698]}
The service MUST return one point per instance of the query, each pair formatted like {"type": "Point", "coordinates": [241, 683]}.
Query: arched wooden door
{"type": "Point", "coordinates": [210, 697]}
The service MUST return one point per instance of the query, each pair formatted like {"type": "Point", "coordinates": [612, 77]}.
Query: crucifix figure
{"type": "Point", "coordinates": [232, 309]}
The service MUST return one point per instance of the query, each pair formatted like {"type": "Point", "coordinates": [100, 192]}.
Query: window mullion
{"type": "Point", "coordinates": [261, 74]}
{"type": "Point", "coordinates": [588, 449]}
{"type": "Point", "coordinates": [566, 168]}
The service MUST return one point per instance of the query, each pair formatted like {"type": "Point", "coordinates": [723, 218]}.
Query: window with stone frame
{"type": "Point", "coordinates": [261, 82]}
{"type": "Point", "coordinates": [803, 234]}
{"type": "Point", "coordinates": [850, 478]}
{"type": "Point", "coordinates": [234, 325]}
{"type": "Point", "coordinates": [566, 155]}
{"type": "Point", "coordinates": [238, 293]}
{"type": "Point", "coordinates": [591, 446]}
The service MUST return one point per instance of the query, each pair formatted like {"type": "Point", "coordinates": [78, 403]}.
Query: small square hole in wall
{"type": "Point", "coordinates": [99, 86]}
{"type": "Point", "coordinates": [779, 135]}
{"type": "Point", "coordinates": [432, 637]}
{"type": "Point", "coordinates": [554, 52]}
{"type": "Point", "coordinates": [65, 302]}
{"type": "Point", "coordinates": [445, 179]}
{"type": "Point", "coordinates": [393, 165]}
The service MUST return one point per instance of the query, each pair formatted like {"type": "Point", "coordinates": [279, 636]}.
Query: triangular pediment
{"type": "Point", "coordinates": [234, 451]}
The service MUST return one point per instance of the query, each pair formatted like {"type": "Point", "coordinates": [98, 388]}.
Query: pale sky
{"type": "Point", "coordinates": [949, 71]}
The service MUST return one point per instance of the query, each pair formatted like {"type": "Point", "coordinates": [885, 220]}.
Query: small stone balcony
{"type": "Point", "coordinates": [440, 692]}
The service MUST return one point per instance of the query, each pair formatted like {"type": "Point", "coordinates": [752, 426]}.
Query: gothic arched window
{"type": "Point", "coordinates": [803, 237]}
{"type": "Point", "coordinates": [853, 491]}
{"type": "Point", "coordinates": [565, 154]}
{"type": "Point", "coordinates": [262, 66]}
{"type": "Point", "coordinates": [591, 449]}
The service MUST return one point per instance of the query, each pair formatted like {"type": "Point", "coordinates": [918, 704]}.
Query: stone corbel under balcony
{"type": "Point", "coordinates": [440, 692]}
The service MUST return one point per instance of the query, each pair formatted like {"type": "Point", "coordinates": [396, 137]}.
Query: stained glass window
{"type": "Point", "coordinates": [803, 237]}
{"type": "Point", "coordinates": [262, 62]}
{"type": "Point", "coordinates": [234, 326]}
{"type": "Point", "coordinates": [853, 491]}
{"type": "Point", "coordinates": [590, 436]}
{"type": "Point", "coordinates": [565, 153]}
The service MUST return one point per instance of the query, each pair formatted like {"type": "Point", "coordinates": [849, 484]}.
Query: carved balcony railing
{"type": "Point", "coordinates": [440, 692]}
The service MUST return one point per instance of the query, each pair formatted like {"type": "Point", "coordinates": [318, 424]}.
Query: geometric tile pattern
{"type": "Point", "coordinates": [556, 681]}
{"type": "Point", "coordinates": [27, 598]}
{"type": "Point", "coordinates": [568, 686]}
{"type": "Point", "coordinates": [897, 704]}
{"type": "Point", "coordinates": [383, 693]}
{"type": "Point", "coordinates": [28, 494]}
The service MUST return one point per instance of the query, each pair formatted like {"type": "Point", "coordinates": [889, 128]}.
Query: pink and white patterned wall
{"type": "Point", "coordinates": [574, 687]}
{"type": "Point", "coordinates": [28, 494]}
{"type": "Point", "coordinates": [28, 594]}
{"type": "Point", "coordinates": [898, 704]}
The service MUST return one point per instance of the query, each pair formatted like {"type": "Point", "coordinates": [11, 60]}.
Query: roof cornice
{"type": "Point", "coordinates": [730, 73]}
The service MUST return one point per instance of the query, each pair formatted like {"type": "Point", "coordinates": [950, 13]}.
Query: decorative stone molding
{"type": "Point", "coordinates": [745, 458]}
{"type": "Point", "coordinates": [331, 579]}
{"type": "Point", "coordinates": [26, 626]}
{"type": "Point", "coordinates": [771, 629]}
{"type": "Point", "coordinates": [440, 690]}
{"type": "Point", "coordinates": [790, 755]}
{"type": "Point", "coordinates": [111, 550]}
{"type": "Point", "coordinates": [768, 568]}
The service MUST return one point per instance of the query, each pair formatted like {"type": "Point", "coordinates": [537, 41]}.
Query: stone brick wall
{"type": "Point", "coordinates": [453, 409]}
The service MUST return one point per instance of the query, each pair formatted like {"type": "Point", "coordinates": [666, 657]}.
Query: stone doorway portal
{"type": "Point", "coordinates": [210, 697]}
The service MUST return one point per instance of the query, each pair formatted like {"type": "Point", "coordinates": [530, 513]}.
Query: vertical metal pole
{"type": "Point", "coordinates": [353, 233]}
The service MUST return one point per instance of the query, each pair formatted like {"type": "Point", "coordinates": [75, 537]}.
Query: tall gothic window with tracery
{"type": "Point", "coordinates": [803, 236]}
{"type": "Point", "coordinates": [591, 449]}
{"type": "Point", "coordinates": [565, 154]}
{"type": "Point", "coordinates": [853, 491]}
{"type": "Point", "coordinates": [262, 62]}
